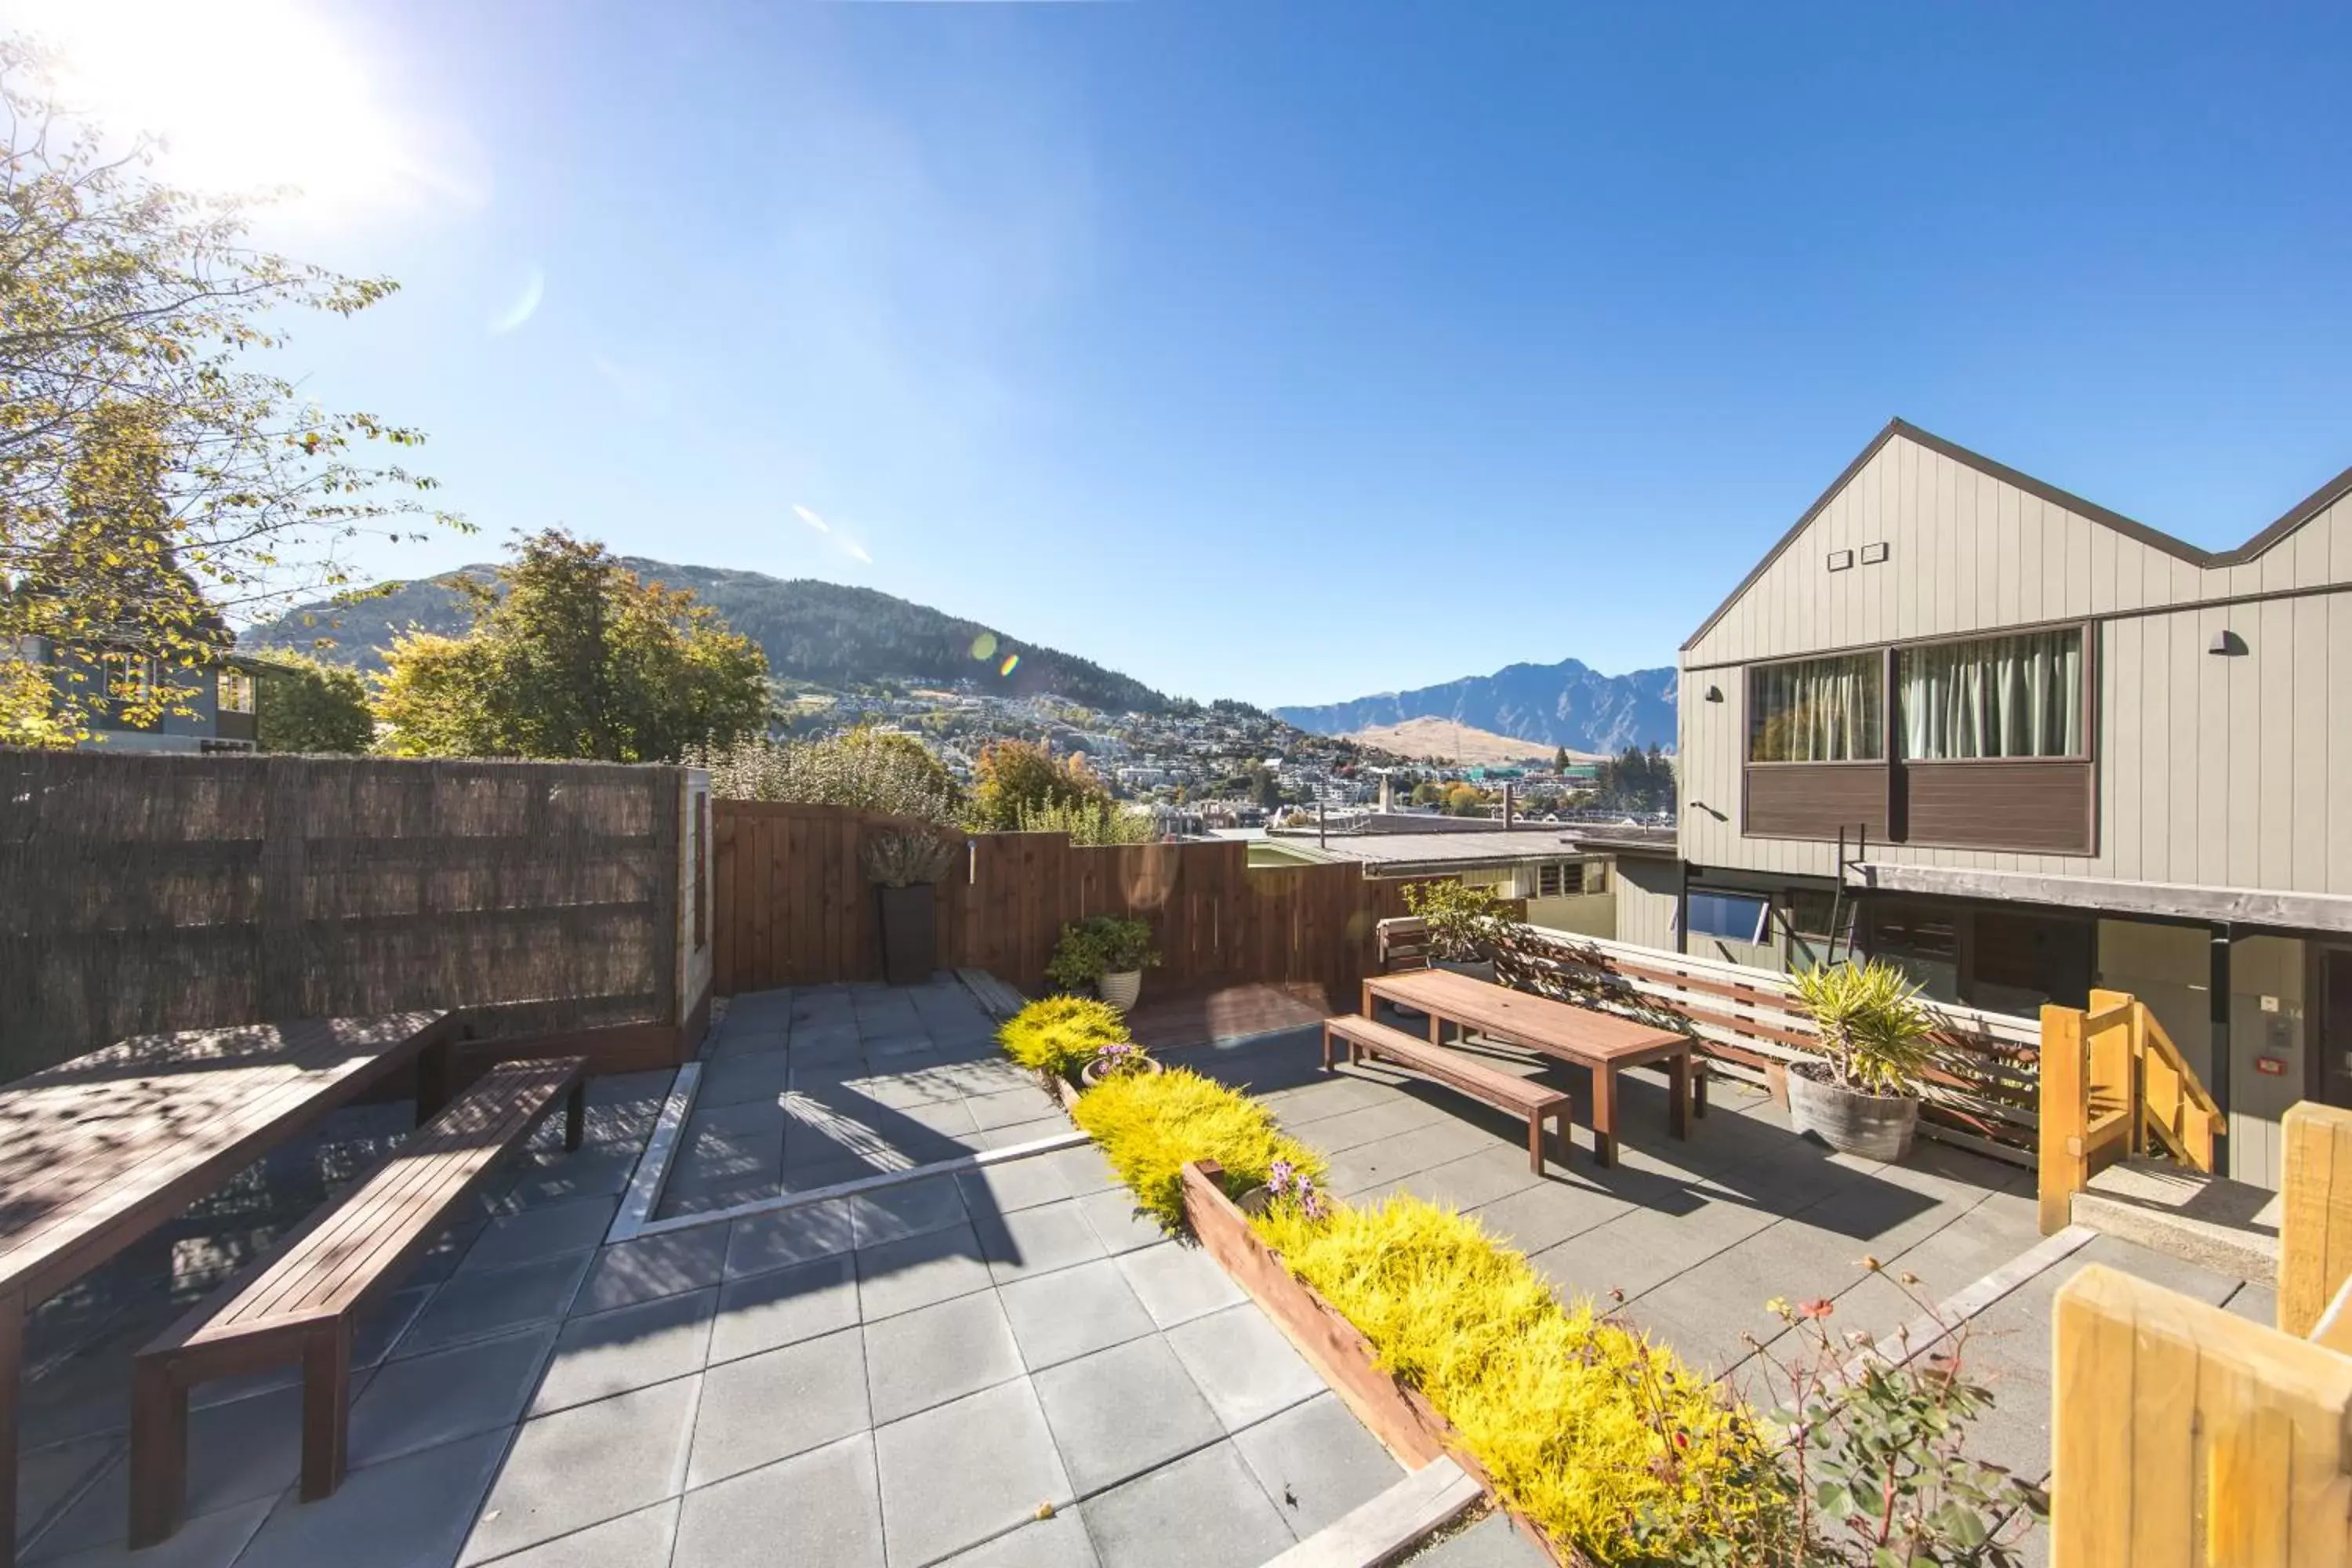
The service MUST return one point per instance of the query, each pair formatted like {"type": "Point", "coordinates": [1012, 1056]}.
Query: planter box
{"type": "Point", "coordinates": [910, 932]}
{"type": "Point", "coordinates": [1398, 1417]}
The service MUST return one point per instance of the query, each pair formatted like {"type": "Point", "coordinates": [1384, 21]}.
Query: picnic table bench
{"type": "Point", "coordinates": [1601, 1042]}
{"type": "Point", "coordinates": [97, 1151]}
{"type": "Point", "coordinates": [1539, 1102]}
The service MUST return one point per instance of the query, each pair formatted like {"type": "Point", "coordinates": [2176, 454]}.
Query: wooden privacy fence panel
{"type": "Point", "coordinates": [794, 907]}
{"type": "Point", "coordinates": [144, 893]}
{"type": "Point", "coordinates": [1981, 1087]}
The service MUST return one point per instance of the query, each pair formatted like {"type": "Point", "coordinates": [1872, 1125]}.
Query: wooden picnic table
{"type": "Point", "coordinates": [1601, 1042]}
{"type": "Point", "coordinates": [97, 1151]}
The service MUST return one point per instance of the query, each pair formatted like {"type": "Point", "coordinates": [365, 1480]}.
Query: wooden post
{"type": "Point", "coordinates": [2063, 1164]}
{"type": "Point", "coordinates": [2316, 1226]}
{"type": "Point", "coordinates": [2183, 1435]}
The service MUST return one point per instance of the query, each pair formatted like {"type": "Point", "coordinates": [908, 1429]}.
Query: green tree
{"type": "Point", "coordinates": [152, 479]}
{"type": "Point", "coordinates": [1463, 800]}
{"type": "Point", "coordinates": [1264, 788]}
{"type": "Point", "coordinates": [1015, 780]}
{"type": "Point", "coordinates": [571, 656]}
{"type": "Point", "coordinates": [304, 705]}
{"type": "Point", "coordinates": [1636, 780]}
{"type": "Point", "coordinates": [1559, 761]}
{"type": "Point", "coordinates": [1427, 793]}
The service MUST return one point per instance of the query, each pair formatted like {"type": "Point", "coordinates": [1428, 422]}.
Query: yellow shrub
{"type": "Point", "coordinates": [1058, 1034]}
{"type": "Point", "coordinates": [1584, 1425]}
{"type": "Point", "coordinates": [1150, 1124]}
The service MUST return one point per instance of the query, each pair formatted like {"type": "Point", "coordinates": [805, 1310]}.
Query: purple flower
{"type": "Point", "coordinates": [1278, 1175]}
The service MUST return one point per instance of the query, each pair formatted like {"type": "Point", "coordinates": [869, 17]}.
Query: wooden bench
{"type": "Point", "coordinates": [1539, 1102]}
{"type": "Point", "coordinates": [301, 1301]}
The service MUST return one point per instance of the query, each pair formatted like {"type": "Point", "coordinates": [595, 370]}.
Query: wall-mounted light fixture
{"type": "Point", "coordinates": [2227, 643]}
{"type": "Point", "coordinates": [1715, 694]}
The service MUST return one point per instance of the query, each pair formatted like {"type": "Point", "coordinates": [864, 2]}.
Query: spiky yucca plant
{"type": "Point", "coordinates": [1877, 1036]}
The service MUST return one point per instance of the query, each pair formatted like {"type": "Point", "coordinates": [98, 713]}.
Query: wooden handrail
{"type": "Point", "coordinates": [2112, 1081]}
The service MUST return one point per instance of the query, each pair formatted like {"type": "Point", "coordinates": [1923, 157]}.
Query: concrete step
{"type": "Point", "coordinates": [2210, 1221]}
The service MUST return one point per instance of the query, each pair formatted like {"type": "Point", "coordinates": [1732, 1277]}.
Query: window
{"type": "Point", "coordinates": [1734, 917]}
{"type": "Point", "coordinates": [235, 691]}
{"type": "Point", "coordinates": [1820, 710]}
{"type": "Point", "coordinates": [1551, 880]}
{"type": "Point", "coordinates": [129, 676]}
{"type": "Point", "coordinates": [1997, 697]}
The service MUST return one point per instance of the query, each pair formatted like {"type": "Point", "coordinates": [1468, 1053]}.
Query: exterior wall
{"type": "Point", "coordinates": [1646, 891]}
{"type": "Point", "coordinates": [2266, 985]}
{"type": "Point", "coordinates": [1586, 914]}
{"type": "Point", "coordinates": [2165, 966]}
{"type": "Point", "coordinates": [2216, 770]}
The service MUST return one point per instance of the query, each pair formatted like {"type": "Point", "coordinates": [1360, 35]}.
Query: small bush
{"type": "Point", "coordinates": [1098, 945]}
{"type": "Point", "coordinates": [1609, 1442]}
{"type": "Point", "coordinates": [1059, 1034]}
{"type": "Point", "coordinates": [1149, 1126]}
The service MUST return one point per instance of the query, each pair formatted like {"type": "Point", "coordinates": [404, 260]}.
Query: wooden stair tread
{"type": "Point", "coordinates": [1448, 1066]}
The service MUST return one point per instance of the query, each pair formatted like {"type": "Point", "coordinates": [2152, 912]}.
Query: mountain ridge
{"type": "Point", "coordinates": [828, 633]}
{"type": "Point", "coordinates": [1565, 704]}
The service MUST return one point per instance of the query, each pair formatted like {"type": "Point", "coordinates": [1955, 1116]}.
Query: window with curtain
{"type": "Point", "coordinates": [1997, 697]}
{"type": "Point", "coordinates": [1822, 711]}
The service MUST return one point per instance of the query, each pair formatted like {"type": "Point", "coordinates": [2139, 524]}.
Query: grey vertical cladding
{"type": "Point", "coordinates": [2232, 769]}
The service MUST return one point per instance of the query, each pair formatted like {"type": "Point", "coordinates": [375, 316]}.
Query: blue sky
{"type": "Point", "coordinates": [1296, 351]}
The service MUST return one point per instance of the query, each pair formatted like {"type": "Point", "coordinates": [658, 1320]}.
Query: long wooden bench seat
{"type": "Point", "coordinates": [1539, 1102]}
{"type": "Point", "coordinates": [299, 1303]}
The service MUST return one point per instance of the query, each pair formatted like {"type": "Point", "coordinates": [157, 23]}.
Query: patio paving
{"type": "Point", "coordinates": [806, 1088]}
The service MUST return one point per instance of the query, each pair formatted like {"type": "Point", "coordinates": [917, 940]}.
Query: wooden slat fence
{"type": "Point", "coordinates": [141, 893]}
{"type": "Point", "coordinates": [794, 907]}
{"type": "Point", "coordinates": [1981, 1089]}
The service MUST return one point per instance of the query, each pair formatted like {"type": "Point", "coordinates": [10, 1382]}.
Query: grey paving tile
{"type": "Point", "coordinates": [1491, 1542]}
{"type": "Point", "coordinates": [823, 1503]}
{"type": "Point", "coordinates": [575, 1225]}
{"type": "Point", "coordinates": [654, 1265]}
{"type": "Point", "coordinates": [1012, 1185]}
{"type": "Point", "coordinates": [900, 1276]}
{"type": "Point", "coordinates": [1243, 1366]}
{"type": "Point", "coordinates": [1062, 1316]}
{"type": "Point", "coordinates": [909, 1208]}
{"type": "Point", "coordinates": [1316, 1462]}
{"type": "Point", "coordinates": [1120, 1224]}
{"type": "Point", "coordinates": [590, 1172]}
{"type": "Point", "coordinates": [630, 1347]}
{"type": "Point", "coordinates": [1475, 1179]}
{"type": "Point", "coordinates": [777, 1403]}
{"type": "Point", "coordinates": [406, 1511]}
{"type": "Point", "coordinates": [1083, 1167]}
{"type": "Point", "coordinates": [1060, 1541]}
{"type": "Point", "coordinates": [1177, 1282]}
{"type": "Point", "coordinates": [381, 1328]}
{"type": "Point", "coordinates": [963, 1473]}
{"type": "Point", "coordinates": [1038, 1241]}
{"type": "Point", "coordinates": [1009, 1107]}
{"type": "Point", "coordinates": [212, 1540]}
{"type": "Point", "coordinates": [784, 1306]}
{"type": "Point", "coordinates": [1547, 1214]}
{"type": "Point", "coordinates": [762, 1241]}
{"type": "Point", "coordinates": [48, 1477]}
{"type": "Point", "coordinates": [1205, 1510]}
{"type": "Point", "coordinates": [1118, 1411]}
{"type": "Point", "coordinates": [448, 1394]}
{"type": "Point", "coordinates": [246, 1450]}
{"type": "Point", "coordinates": [938, 1352]}
{"type": "Point", "coordinates": [586, 1465]}
{"type": "Point", "coordinates": [737, 1079]}
{"type": "Point", "coordinates": [2257, 1302]}
{"type": "Point", "coordinates": [1014, 1134]}
{"type": "Point", "coordinates": [639, 1540]}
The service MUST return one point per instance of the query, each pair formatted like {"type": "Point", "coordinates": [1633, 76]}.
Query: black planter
{"type": "Point", "coordinates": [910, 932]}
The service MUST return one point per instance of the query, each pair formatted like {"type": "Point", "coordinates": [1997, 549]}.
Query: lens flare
{"type": "Point", "coordinates": [1012, 662]}
{"type": "Point", "coordinates": [983, 646]}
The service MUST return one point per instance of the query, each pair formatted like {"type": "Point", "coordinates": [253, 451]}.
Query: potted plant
{"type": "Point", "coordinates": [1109, 952]}
{"type": "Point", "coordinates": [1860, 1096]}
{"type": "Point", "coordinates": [1115, 1059]}
{"type": "Point", "coordinates": [906, 866]}
{"type": "Point", "coordinates": [1464, 925]}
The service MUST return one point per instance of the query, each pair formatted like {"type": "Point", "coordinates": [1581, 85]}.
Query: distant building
{"type": "Point", "coordinates": [220, 699]}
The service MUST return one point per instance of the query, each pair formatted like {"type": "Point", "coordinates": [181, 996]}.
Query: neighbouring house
{"type": "Point", "coordinates": [2024, 747]}
{"type": "Point", "coordinates": [1567, 885]}
{"type": "Point", "coordinates": [216, 712]}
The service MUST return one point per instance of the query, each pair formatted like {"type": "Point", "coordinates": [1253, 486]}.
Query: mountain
{"type": "Point", "coordinates": [1455, 742]}
{"type": "Point", "coordinates": [823, 632]}
{"type": "Point", "coordinates": [1564, 704]}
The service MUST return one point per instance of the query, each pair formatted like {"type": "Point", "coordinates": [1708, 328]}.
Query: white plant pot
{"type": "Point", "coordinates": [1121, 989]}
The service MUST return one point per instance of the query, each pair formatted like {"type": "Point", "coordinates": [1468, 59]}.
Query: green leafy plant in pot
{"type": "Point", "coordinates": [905, 867]}
{"type": "Point", "coordinates": [1109, 952]}
{"type": "Point", "coordinates": [1464, 922]}
{"type": "Point", "coordinates": [1861, 1095]}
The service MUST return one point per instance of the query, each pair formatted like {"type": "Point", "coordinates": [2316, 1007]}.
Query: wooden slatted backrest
{"type": "Point", "coordinates": [1401, 943]}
